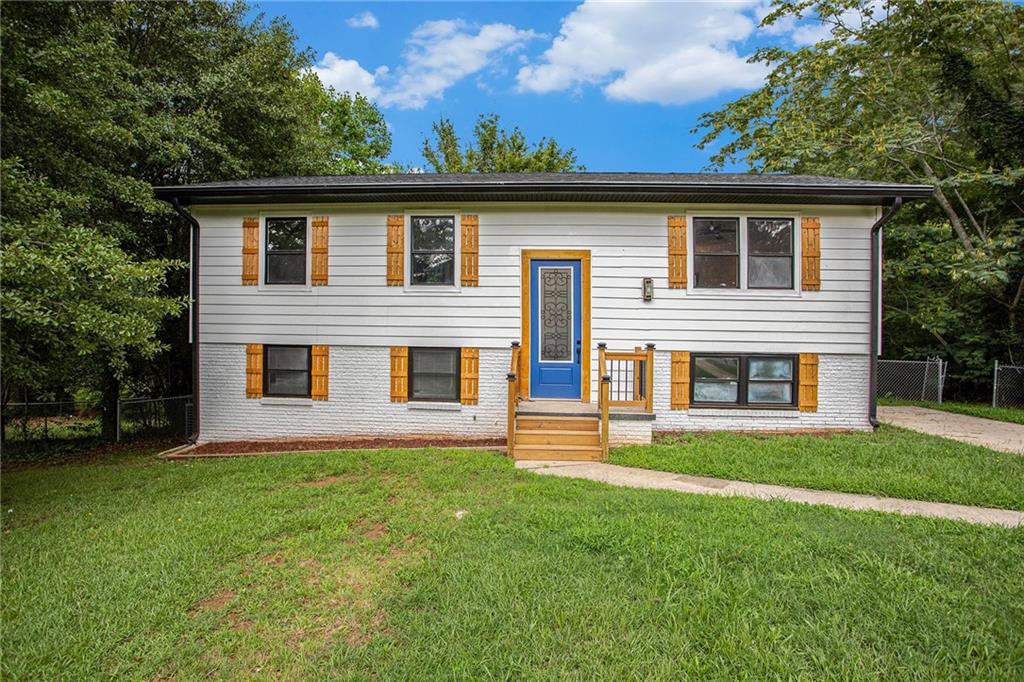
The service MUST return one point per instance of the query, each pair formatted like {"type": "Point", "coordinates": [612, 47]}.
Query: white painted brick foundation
{"type": "Point", "coordinates": [842, 402]}
{"type": "Point", "coordinates": [359, 402]}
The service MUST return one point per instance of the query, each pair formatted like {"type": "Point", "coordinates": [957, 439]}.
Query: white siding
{"type": "Point", "coordinates": [626, 243]}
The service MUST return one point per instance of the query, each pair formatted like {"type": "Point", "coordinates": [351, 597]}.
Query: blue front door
{"type": "Point", "coordinates": [555, 328]}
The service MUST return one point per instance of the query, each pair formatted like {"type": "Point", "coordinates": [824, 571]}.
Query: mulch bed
{"type": "Point", "coordinates": [245, 447]}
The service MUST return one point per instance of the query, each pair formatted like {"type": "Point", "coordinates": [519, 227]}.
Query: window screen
{"type": "Point", "coordinates": [716, 253]}
{"type": "Point", "coordinates": [286, 251]}
{"type": "Point", "coordinates": [286, 371]}
{"type": "Point", "coordinates": [434, 374]}
{"type": "Point", "coordinates": [433, 250]}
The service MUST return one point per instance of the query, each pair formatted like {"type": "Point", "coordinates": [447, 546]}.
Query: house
{"type": "Point", "coordinates": [565, 312]}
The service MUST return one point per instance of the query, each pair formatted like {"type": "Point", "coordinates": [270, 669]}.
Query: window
{"type": "Point", "coordinates": [716, 253]}
{"type": "Point", "coordinates": [286, 371]}
{"type": "Point", "coordinates": [770, 253]}
{"type": "Point", "coordinates": [286, 251]}
{"type": "Point", "coordinates": [433, 250]}
{"type": "Point", "coordinates": [746, 380]}
{"type": "Point", "coordinates": [434, 374]}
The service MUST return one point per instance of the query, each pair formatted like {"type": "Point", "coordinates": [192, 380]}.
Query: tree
{"type": "Point", "coordinates": [356, 135]}
{"type": "Point", "coordinates": [102, 101]}
{"type": "Point", "coordinates": [495, 150]}
{"type": "Point", "coordinates": [917, 92]}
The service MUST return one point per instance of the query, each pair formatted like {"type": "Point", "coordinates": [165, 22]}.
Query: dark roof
{"type": "Point", "coordinates": [607, 187]}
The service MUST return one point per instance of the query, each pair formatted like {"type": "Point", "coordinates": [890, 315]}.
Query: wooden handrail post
{"type": "Point", "coordinates": [649, 381]}
{"type": "Point", "coordinates": [513, 398]}
{"type": "Point", "coordinates": [510, 437]}
{"type": "Point", "coordinates": [604, 398]}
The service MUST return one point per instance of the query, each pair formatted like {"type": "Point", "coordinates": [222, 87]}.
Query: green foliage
{"type": "Point", "coordinates": [356, 135]}
{"type": "Point", "coordinates": [495, 150]}
{"type": "Point", "coordinates": [102, 101]}
{"type": "Point", "coordinates": [913, 92]}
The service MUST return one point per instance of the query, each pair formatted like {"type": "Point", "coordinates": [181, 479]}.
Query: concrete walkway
{"type": "Point", "coordinates": [993, 434]}
{"type": "Point", "coordinates": [661, 480]}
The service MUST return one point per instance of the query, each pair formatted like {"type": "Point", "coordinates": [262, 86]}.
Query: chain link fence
{"type": "Point", "coordinates": [912, 379]}
{"type": "Point", "coordinates": [1007, 385]}
{"type": "Point", "coordinates": [143, 418]}
{"type": "Point", "coordinates": [66, 420]}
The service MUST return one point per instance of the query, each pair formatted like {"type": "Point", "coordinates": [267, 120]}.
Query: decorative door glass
{"type": "Point", "coordinates": [556, 314]}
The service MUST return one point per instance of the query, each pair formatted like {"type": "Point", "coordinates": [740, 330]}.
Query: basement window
{"type": "Point", "coordinates": [286, 371]}
{"type": "Point", "coordinates": [766, 381]}
{"type": "Point", "coordinates": [434, 374]}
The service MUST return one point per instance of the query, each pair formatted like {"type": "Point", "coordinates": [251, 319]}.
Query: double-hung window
{"type": "Point", "coordinates": [743, 253]}
{"type": "Point", "coordinates": [434, 374]}
{"type": "Point", "coordinates": [745, 380]}
{"type": "Point", "coordinates": [286, 251]}
{"type": "Point", "coordinates": [433, 250]}
{"type": "Point", "coordinates": [286, 371]}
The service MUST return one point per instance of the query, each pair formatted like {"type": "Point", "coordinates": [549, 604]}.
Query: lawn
{"type": "Point", "coordinates": [1014, 415]}
{"type": "Point", "coordinates": [355, 565]}
{"type": "Point", "coordinates": [892, 462]}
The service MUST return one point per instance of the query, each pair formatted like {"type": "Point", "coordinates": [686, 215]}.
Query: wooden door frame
{"type": "Point", "coordinates": [583, 256]}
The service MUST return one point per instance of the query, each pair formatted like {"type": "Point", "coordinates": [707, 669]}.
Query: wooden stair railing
{"type": "Point", "coordinates": [513, 397]}
{"type": "Point", "coordinates": [630, 375]}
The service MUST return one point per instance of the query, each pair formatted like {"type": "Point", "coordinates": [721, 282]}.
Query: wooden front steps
{"type": "Point", "coordinates": [549, 436]}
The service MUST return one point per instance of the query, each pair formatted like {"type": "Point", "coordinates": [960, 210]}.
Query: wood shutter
{"type": "Point", "coordinates": [469, 373]}
{"type": "Point", "coordinates": [808, 382]}
{"type": "Point", "coordinates": [810, 254]}
{"type": "Point", "coordinates": [396, 251]}
{"type": "Point", "coordinates": [470, 251]}
{"type": "Point", "coordinates": [399, 374]}
{"type": "Point", "coordinates": [319, 372]}
{"type": "Point", "coordinates": [254, 370]}
{"type": "Point", "coordinates": [680, 380]}
{"type": "Point", "coordinates": [677, 252]}
{"type": "Point", "coordinates": [321, 233]}
{"type": "Point", "coordinates": [250, 250]}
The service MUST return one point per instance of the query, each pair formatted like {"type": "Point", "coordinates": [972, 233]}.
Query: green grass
{"type": "Point", "coordinates": [233, 568]}
{"type": "Point", "coordinates": [891, 462]}
{"type": "Point", "coordinates": [1014, 415]}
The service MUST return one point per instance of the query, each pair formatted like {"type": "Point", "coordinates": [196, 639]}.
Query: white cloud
{"type": "Point", "coordinates": [664, 52]}
{"type": "Point", "coordinates": [363, 20]}
{"type": "Point", "coordinates": [441, 53]}
{"type": "Point", "coordinates": [346, 75]}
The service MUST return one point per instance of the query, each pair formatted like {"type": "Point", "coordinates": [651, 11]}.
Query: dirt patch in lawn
{"type": "Point", "coordinates": [329, 480]}
{"type": "Point", "coordinates": [246, 447]}
{"type": "Point", "coordinates": [216, 602]}
{"type": "Point", "coordinates": [368, 530]}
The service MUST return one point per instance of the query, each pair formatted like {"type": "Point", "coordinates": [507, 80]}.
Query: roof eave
{"type": "Point", "coordinates": [563, 191]}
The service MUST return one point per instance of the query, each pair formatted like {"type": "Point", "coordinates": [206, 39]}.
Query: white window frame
{"type": "Point", "coordinates": [262, 266]}
{"type": "Point", "coordinates": [433, 289]}
{"type": "Point", "coordinates": [743, 290]}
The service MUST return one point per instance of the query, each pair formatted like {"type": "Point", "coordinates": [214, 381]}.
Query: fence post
{"type": "Point", "coordinates": [117, 438]}
{"type": "Point", "coordinates": [942, 377]}
{"type": "Point", "coordinates": [995, 383]}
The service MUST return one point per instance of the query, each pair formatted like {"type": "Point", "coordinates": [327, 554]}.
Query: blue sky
{"type": "Point", "coordinates": [623, 83]}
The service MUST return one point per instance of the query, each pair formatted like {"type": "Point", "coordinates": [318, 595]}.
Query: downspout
{"type": "Point", "coordinates": [195, 314]}
{"type": "Point", "coordinates": [876, 308]}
